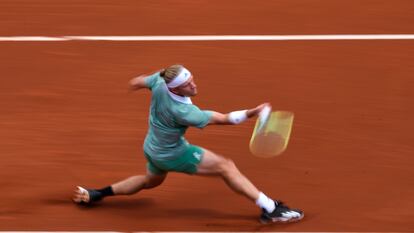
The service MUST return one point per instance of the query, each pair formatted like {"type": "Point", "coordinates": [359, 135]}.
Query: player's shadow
{"type": "Point", "coordinates": [125, 204]}
{"type": "Point", "coordinates": [148, 208]}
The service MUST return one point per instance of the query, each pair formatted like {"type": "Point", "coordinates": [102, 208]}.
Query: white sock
{"type": "Point", "coordinates": [264, 202]}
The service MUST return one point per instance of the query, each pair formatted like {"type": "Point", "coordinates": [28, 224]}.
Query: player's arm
{"type": "Point", "coordinates": [145, 81]}
{"type": "Point", "coordinates": [138, 83]}
{"type": "Point", "coordinates": [235, 117]}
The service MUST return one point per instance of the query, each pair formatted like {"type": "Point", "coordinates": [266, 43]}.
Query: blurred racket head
{"type": "Point", "coordinates": [271, 134]}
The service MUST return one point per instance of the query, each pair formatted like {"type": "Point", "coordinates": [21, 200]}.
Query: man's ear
{"type": "Point", "coordinates": [174, 90]}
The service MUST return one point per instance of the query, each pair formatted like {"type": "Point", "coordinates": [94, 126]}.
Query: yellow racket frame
{"type": "Point", "coordinates": [278, 123]}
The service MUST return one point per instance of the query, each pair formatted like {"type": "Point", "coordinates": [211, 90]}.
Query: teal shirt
{"type": "Point", "coordinates": [169, 120]}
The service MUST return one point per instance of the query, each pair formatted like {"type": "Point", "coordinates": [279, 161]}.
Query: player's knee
{"type": "Point", "coordinates": [228, 167]}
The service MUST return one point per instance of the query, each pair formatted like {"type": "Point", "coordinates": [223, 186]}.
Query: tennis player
{"type": "Point", "coordinates": [166, 149]}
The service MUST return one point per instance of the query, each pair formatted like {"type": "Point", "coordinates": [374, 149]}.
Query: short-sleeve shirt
{"type": "Point", "coordinates": [169, 120]}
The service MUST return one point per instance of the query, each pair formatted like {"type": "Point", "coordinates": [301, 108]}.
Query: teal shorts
{"type": "Point", "coordinates": [186, 163]}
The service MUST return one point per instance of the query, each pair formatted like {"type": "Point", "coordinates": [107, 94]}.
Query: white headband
{"type": "Point", "coordinates": [183, 77]}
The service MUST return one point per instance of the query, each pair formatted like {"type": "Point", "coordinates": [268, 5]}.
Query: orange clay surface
{"type": "Point", "coordinates": [66, 117]}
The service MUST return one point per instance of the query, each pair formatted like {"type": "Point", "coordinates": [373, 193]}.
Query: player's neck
{"type": "Point", "coordinates": [180, 98]}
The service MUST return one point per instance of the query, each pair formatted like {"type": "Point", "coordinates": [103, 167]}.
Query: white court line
{"type": "Point", "coordinates": [213, 37]}
{"type": "Point", "coordinates": [32, 38]}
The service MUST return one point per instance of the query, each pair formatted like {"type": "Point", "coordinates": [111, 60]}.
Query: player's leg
{"type": "Point", "coordinates": [135, 184]}
{"type": "Point", "coordinates": [128, 186]}
{"type": "Point", "coordinates": [215, 165]}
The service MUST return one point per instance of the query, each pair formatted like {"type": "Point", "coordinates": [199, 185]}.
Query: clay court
{"type": "Point", "coordinates": [67, 118]}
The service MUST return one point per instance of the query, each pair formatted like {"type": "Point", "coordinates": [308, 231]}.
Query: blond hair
{"type": "Point", "coordinates": [171, 72]}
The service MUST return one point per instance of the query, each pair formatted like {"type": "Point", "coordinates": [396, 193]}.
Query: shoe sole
{"type": "Point", "coordinates": [82, 199]}
{"type": "Point", "coordinates": [281, 220]}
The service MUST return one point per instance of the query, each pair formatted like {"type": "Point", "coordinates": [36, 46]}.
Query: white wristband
{"type": "Point", "coordinates": [238, 117]}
